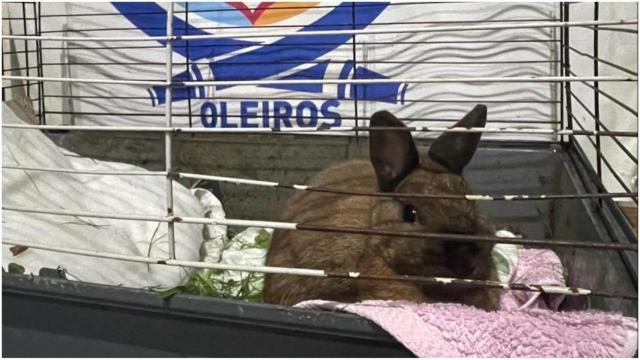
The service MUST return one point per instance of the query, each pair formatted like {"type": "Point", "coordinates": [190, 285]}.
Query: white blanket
{"type": "Point", "coordinates": [130, 195]}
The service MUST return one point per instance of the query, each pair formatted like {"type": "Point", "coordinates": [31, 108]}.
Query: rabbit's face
{"type": "Point", "coordinates": [454, 216]}
{"type": "Point", "coordinates": [401, 170]}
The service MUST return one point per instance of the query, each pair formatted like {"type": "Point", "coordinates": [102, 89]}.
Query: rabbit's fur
{"type": "Point", "coordinates": [394, 166]}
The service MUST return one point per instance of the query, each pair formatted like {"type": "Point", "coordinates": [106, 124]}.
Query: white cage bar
{"type": "Point", "coordinates": [505, 130]}
{"type": "Point", "coordinates": [168, 135]}
{"type": "Point", "coordinates": [263, 34]}
{"type": "Point", "coordinates": [254, 182]}
{"type": "Point", "coordinates": [312, 227]}
{"type": "Point", "coordinates": [549, 289]}
{"type": "Point", "coordinates": [333, 81]}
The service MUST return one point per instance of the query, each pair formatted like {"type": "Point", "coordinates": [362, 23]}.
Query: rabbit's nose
{"type": "Point", "coordinates": [462, 250]}
{"type": "Point", "coordinates": [462, 257]}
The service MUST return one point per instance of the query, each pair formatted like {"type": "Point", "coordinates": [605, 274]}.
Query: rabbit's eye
{"type": "Point", "coordinates": [409, 214]}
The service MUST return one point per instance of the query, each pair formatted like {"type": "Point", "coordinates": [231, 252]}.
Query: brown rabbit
{"type": "Point", "coordinates": [395, 166]}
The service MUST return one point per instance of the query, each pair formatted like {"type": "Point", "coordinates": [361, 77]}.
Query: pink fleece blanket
{"type": "Point", "coordinates": [525, 326]}
{"type": "Point", "coordinates": [454, 330]}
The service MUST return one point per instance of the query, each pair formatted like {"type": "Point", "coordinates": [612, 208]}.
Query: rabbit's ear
{"type": "Point", "coordinates": [454, 150]}
{"type": "Point", "coordinates": [392, 152]}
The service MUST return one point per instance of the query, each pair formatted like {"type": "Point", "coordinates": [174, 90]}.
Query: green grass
{"type": "Point", "coordinates": [217, 283]}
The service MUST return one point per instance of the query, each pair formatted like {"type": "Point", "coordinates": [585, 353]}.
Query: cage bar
{"type": "Point", "coordinates": [415, 62]}
{"type": "Point", "coordinates": [597, 59]}
{"type": "Point", "coordinates": [514, 79]}
{"type": "Point", "coordinates": [188, 61]}
{"type": "Point", "coordinates": [242, 181]}
{"type": "Point", "coordinates": [567, 70]}
{"type": "Point", "coordinates": [600, 124]}
{"type": "Point", "coordinates": [87, 172]}
{"type": "Point", "coordinates": [320, 129]}
{"type": "Point", "coordinates": [241, 27]}
{"type": "Point", "coordinates": [258, 97]}
{"type": "Point", "coordinates": [608, 96]}
{"type": "Point", "coordinates": [444, 281]}
{"type": "Point", "coordinates": [26, 44]}
{"type": "Point", "coordinates": [168, 135]}
{"type": "Point", "coordinates": [605, 161]}
{"type": "Point", "coordinates": [270, 116]}
{"type": "Point", "coordinates": [472, 197]}
{"type": "Point", "coordinates": [77, 47]}
{"type": "Point", "coordinates": [331, 229]}
{"type": "Point", "coordinates": [262, 34]}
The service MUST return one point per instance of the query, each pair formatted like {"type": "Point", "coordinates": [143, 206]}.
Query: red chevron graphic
{"type": "Point", "coordinates": [254, 15]}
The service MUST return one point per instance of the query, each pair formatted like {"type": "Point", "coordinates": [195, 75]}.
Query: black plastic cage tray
{"type": "Point", "coordinates": [55, 317]}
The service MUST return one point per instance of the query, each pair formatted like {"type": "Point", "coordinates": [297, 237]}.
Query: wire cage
{"type": "Point", "coordinates": [254, 107]}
